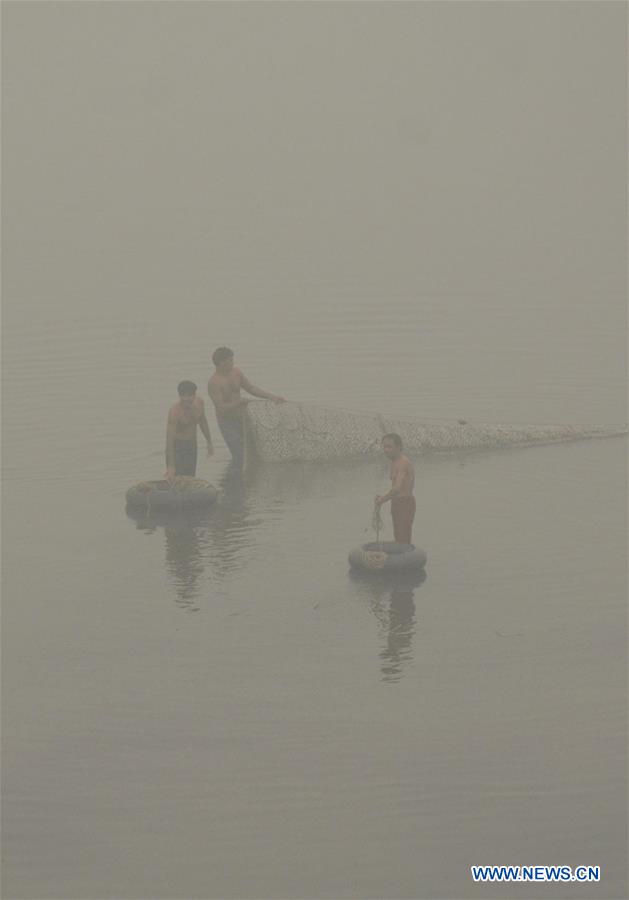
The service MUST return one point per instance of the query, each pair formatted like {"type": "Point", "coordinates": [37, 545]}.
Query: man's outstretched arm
{"type": "Point", "coordinates": [258, 392]}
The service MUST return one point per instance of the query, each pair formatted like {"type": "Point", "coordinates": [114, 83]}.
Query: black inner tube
{"type": "Point", "coordinates": [388, 547]}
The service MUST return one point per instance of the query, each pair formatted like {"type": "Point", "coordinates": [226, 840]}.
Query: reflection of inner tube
{"type": "Point", "coordinates": [387, 557]}
{"type": "Point", "coordinates": [164, 496]}
{"type": "Point", "coordinates": [405, 580]}
{"type": "Point", "coordinates": [178, 518]}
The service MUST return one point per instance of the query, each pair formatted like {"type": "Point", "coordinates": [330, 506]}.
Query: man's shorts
{"type": "Point", "coordinates": [233, 432]}
{"type": "Point", "coordinates": [403, 514]}
{"type": "Point", "coordinates": [185, 457]}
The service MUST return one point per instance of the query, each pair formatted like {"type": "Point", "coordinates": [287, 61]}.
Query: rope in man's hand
{"type": "Point", "coordinates": [376, 521]}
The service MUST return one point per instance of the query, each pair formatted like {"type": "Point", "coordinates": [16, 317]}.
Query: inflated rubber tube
{"type": "Point", "coordinates": [387, 557]}
{"type": "Point", "coordinates": [407, 579]}
{"type": "Point", "coordinates": [162, 496]}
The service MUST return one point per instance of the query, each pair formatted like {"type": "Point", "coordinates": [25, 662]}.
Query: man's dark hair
{"type": "Point", "coordinates": [186, 388]}
{"type": "Point", "coordinates": [397, 440]}
{"type": "Point", "coordinates": [221, 354]}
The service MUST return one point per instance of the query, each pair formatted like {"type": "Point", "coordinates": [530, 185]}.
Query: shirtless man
{"type": "Point", "coordinates": [401, 496]}
{"type": "Point", "coordinates": [224, 389]}
{"type": "Point", "coordinates": [181, 432]}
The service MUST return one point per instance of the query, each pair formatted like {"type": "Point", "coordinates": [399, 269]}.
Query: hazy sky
{"type": "Point", "coordinates": [151, 148]}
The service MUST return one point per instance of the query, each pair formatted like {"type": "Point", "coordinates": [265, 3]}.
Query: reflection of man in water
{"type": "Point", "coordinates": [401, 628]}
{"type": "Point", "coordinates": [401, 496]}
{"type": "Point", "coordinates": [184, 560]}
{"type": "Point", "coordinates": [181, 432]}
{"type": "Point", "coordinates": [224, 389]}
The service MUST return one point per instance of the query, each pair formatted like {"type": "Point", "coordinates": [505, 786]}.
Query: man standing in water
{"type": "Point", "coordinates": [401, 496]}
{"type": "Point", "coordinates": [181, 432]}
{"type": "Point", "coordinates": [224, 389]}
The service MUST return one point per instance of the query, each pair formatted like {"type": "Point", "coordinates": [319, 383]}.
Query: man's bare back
{"type": "Point", "coordinates": [402, 474]}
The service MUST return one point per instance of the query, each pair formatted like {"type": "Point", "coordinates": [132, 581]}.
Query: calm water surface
{"type": "Point", "coordinates": [214, 708]}
{"type": "Point", "coordinates": [416, 208]}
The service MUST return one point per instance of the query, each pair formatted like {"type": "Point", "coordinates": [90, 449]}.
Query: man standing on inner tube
{"type": "Point", "coordinates": [181, 432]}
{"type": "Point", "coordinates": [401, 496]}
{"type": "Point", "coordinates": [224, 389]}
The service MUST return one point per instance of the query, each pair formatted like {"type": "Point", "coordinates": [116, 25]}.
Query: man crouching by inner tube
{"type": "Point", "coordinates": [181, 432]}
{"type": "Point", "coordinates": [224, 389]}
{"type": "Point", "coordinates": [401, 496]}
